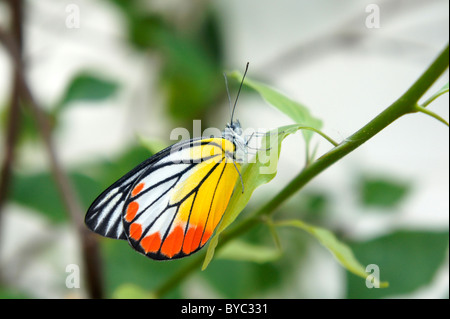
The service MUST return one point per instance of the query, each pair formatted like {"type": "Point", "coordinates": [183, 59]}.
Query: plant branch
{"type": "Point", "coordinates": [402, 106]}
{"type": "Point", "coordinates": [430, 113]}
{"type": "Point", "coordinates": [329, 139]}
{"type": "Point", "coordinates": [13, 123]}
{"type": "Point", "coordinates": [88, 240]}
{"type": "Point", "coordinates": [13, 116]}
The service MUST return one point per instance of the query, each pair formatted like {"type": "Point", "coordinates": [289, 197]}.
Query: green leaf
{"type": "Point", "coordinates": [87, 87]}
{"type": "Point", "coordinates": [145, 29]}
{"type": "Point", "coordinates": [260, 171]}
{"type": "Point", "coordinates": [382, 192]}
{"type": "Point", "coordinates": [409, 260]}
{"type": "Point", "coordinates": [299, 113]}
{"type": "Point", "coordinates": [340, 251]}
{"type": "Point", "coordinates": [240, 250]}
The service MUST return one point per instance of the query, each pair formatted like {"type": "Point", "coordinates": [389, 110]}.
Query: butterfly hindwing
{"type": "Point", "coordinates": [175, 205]}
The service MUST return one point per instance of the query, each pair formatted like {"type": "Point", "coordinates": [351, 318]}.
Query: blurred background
{"type": "Point", "coordinates": [114, 77]}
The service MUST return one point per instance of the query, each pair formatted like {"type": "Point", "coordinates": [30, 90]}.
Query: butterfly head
{"type": "Point", "coordinates": [233, 132]}
{"type": "Point", "coordinates": [235, 128]}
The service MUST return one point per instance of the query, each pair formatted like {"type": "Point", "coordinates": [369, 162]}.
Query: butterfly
{"type": "Point", "coordinates": [168, 206]}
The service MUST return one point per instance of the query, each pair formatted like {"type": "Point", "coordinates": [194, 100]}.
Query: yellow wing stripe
{"type": "Point", "coordinates": [225, 187]}
{"type": "Point", "coordinates": [201, 216]}
{"type": "Point", "coordinates": [211, 147]}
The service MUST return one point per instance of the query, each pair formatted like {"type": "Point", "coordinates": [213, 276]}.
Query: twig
{"type": "Point", "coordinates": [13, 123]}
{"type": "Point", "coordinates": [13, 114]}
{"type": "Point", "coordinates": [89, 243]}
{"type": "Point", "coordinates": [88, 240]}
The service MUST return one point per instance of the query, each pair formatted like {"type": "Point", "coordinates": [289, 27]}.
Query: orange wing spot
{"type": "Point", "coordinates": [151, 243]}
{"type": "Point", "coordinates": [132, 209]}
{"type": "Point", "coordinates": [197, 237]}
{"type": "Point", "coordinates": [137, 189]}
{"type": "Point", "coordinates": [187, 244]}
{"type": "Point", "coordinates": [172, 244]}
{"type": "Point", "coordinates": [135, 231]}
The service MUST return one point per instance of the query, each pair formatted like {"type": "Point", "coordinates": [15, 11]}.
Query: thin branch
{"type": "Point", "coordinates": [430, 113]}
{"type": "Point", "coordinates": [12, 130]}
{"type": "Point", "coordinates": [13, 123]}
{"type": "Point", "coordinates": [329, 139]}
{"type": "Point", "coordinates": [88, 240]}
{"type": "Point", "coordinates": [13, 114]}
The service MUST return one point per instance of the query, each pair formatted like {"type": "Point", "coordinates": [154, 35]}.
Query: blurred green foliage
{"type": "Point", "coordinates": [407, 259]}
{"type": "Point", "coordinates": [47, 200]}
{"type": "Point", "coordinates": [191, 56]}
{"type": "Point", "coordinates": [191, 77]}
{"type": "Point", "coordinates": [12, 294]}
{"type": "Point", "coordinates": [227, 278]}
{"type": "Point", "coordinates": [87, 87]}
{"type": "Point", "coordinates": [382, 192]}
{"type": "Point", "coordinates": [89, 181]}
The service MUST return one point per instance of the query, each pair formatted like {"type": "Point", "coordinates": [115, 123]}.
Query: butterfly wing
{"type": "Point", "coordinates": [104, 216]}
{"type": "Point", "coordinates": [175, 205]}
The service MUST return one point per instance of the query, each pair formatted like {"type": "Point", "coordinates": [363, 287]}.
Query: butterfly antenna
{"type": "Point", "coordinates": [228, 94]}
{"type": "Point", "coordinates": [237, 97]}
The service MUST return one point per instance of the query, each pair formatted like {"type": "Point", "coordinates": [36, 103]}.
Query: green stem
{"type": "Point", "coordinates": [329, 139]}
{"type": "Point", "coordinates": [434, 97]}
{"type": "Point", "coordinates": [430, 113]}
{"type": "Point", "coordinates": [404, 105]}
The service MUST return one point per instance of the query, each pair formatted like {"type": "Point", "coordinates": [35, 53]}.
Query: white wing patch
{"type": "Point", "coordinates": [104, 216]}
